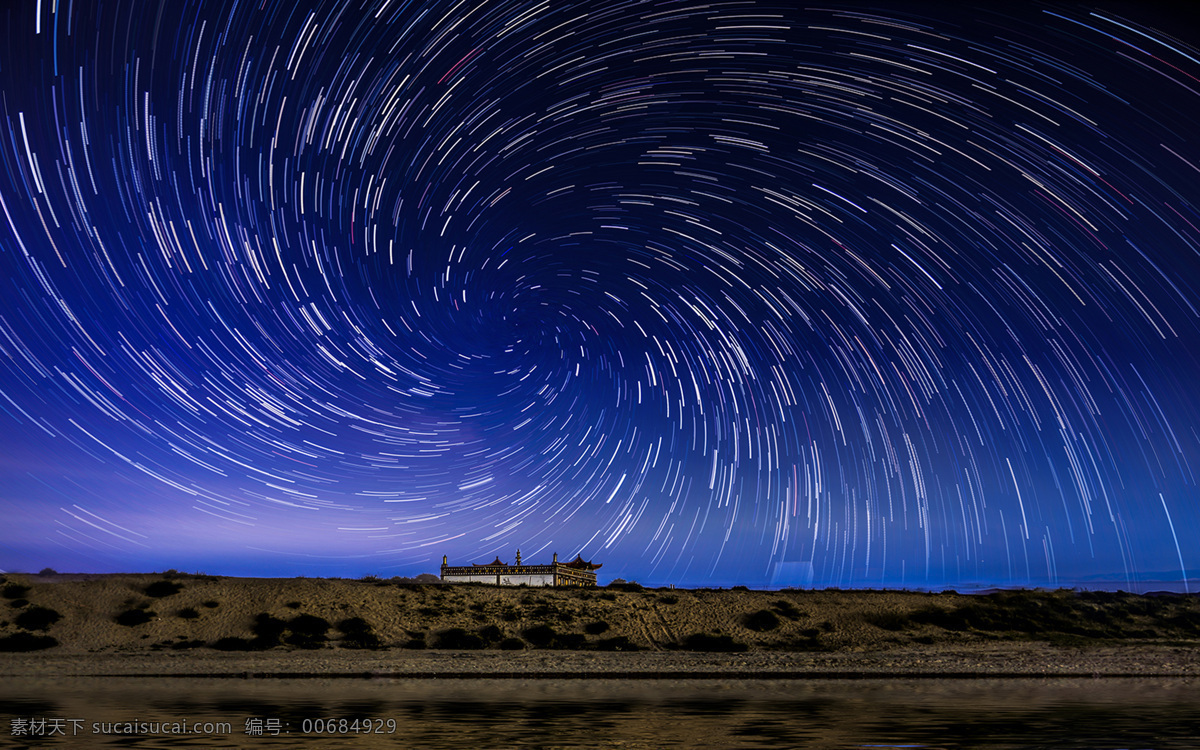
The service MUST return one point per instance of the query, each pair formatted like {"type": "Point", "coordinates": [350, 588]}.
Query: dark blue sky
{"type": "Point", "coordinates": [693, 290]}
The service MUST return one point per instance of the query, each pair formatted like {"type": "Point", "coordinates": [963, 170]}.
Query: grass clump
{"type": "Point", "coordinates": [457, 638]}
{"type": "Point", "coordinates": [22, 641]}
{"type": "Point", "coordinates": [540, 636]}
{"type": "Point", "coordinates": [14, 591]}
{"type": "Point", "coordinates": [596, 628]}
{"type": "Point", "coordinates": [134, 617]}
{"type": "Point", "coordinates": [761, 621]}
{"type": "Point", "coordinates": [159, 589]}
{"type": "Point", "coordinates": [512, 644]}
{"type": "Point", "coordinates": [715, 643]}
{"type": "Point", "coordinates": [307, 631]}
{"type": "Point", "coordinates": [894, 621]}
{"type": "Point", "coordinates": [358, 633]}
{"type": "Point", "coordinates": [37, 618]}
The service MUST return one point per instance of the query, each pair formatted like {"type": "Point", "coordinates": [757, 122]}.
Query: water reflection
{"type": "Point", "coordinates": [577, 714]}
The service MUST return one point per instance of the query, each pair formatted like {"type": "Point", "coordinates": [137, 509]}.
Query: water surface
{"type": "Point", "coordinates": [1109, 713]}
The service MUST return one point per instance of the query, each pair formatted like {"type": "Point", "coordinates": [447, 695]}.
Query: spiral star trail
{"type": "Point", "coordinates": [897, 296]}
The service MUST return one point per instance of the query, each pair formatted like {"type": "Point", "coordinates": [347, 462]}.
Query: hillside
{"type": "Point", "coordinates": [122, 614]}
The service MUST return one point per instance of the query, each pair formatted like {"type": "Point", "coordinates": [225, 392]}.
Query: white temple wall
{"type": "Point", "coordinates": [505, 580]}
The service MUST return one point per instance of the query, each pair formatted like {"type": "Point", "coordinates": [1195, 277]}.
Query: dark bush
{"type": "Point", "coordinates": [37, 618]}
{"type": "Point", "coordinates": [762, 620]}
{"type": "Point", "coordinates": [570, 641]}
{"type": "Point", "coordinates": [669, 599]}
{"type": "Point", "coordinates": [889, 620]}
{"type": "Point", "coordinates": [358, 633]}
{"type": "Point", "coordinates": [512, 644]}
{"type": "Point", "coordinates": [159, 589]}
{"type": "Point", "coordinates": [491, 634]}
{"type": "Point", "coordinates": [626, 586]}
{"type": "Point", "coordinates": [708, 642]}
{"type": "Point", "coordinates": [595, 628]}
{"type": "Point", "coordinates": [235, 644]}
{"type": "Point", "coordinates": [136, 616]}
{"type": "Point", "coordinates": [47, 572]}
{"type": "Point", "coordinates": [22, 641]}
{"type": "Point", "coordinates": [416, 643]}
{"type": "Point", "coordinates": [740, 588]}
{"type": "Point", "coordinates": [185, 645]}
{"type": "Point", "coordinates": [187, 613]}
{"type": "Point", "coordinates": [617, 643]}
{"type": "Point", "coordinates": [18, 603]}
{"type": "Point", "coordinates": [211, 604]}
{"type": "Point", "coordinates": [457, 638]}
{"type": "Point", "coordinates": [540, 636]}
{"type": "Point", "coordinates": [268, 629]}
{"type": "Point", "coordinates": [293, 605]}
{"type": "Point", "coordinates": [14, 591]}
{"type": "Point", "coordinates": [787, 609]}
{"type": "Point", "coordinates": [307, 631]}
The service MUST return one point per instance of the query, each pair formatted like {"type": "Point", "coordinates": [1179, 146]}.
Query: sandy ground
{"type": "Point", "coordinates": [811, 633]}
{"type": "Point", "coordinates": [1027, 659]}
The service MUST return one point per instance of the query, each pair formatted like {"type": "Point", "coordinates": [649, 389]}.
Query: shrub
{"type": "Point", "coordinates": [417, 643]}
{"type": "Point", "coordinates": [570, 641]}
{"type": "Point", "coordinates": [762, 620]}
{"type": "Point", "coordinates": [187, 613]}
{"type": "Point", "coordinates": [47, 572]}
{"type": "Point", "coordinates": [617, 643]}
{"type": "Point", "coordinates": [889, 620]}
{"type": "Point", "coordinates": [307, 631]}
{"type": "Point", "coordinates": [22, 641]}
{"type": "Point", "coordinates": [293, 605]}
{"type": "Point", "coordinates": [787, 609]}
{"type": "Point", "coordinates": [14, 591]}
{"type": "Point", "coordinates": [18, 603]}
{"type": "Point", "coordinates": [669, 599]}
{"type": "Point", "coordinates": [595, 628]}
{"type": "Point", "coordinates": [540, 636]}
{"type": "Point", "coordinates": [159, 589]}
{"type": "Point", "coordinates": [457, 638]}
{"type": "Point", "coordinates": [708, 642]}
{"type": "Point", "coordinates": [136, 616]}
{"type": "Point", "coordinates": [491, 634]}
{"type": "Point", "coordinates": [37, 618]}
{"type": "Point", "coordinates": [512, 644]}
{"type": "Point", "coordinates": [358, 634]}
{"type": "Point", "coordinates": [620, 585]}
{"type": "Point", "coordinates": [212, 604]}
{"type": "Point", "coordinates": [268, 629]}
{"type": "Point", "coordinates": [234, 644]}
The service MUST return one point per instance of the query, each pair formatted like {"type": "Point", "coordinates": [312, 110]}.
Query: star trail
{"type": "Point", "coordinates": [900, 296]}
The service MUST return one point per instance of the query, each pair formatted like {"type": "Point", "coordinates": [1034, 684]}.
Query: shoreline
{"type": "Point", "coordinates": [993, 661]}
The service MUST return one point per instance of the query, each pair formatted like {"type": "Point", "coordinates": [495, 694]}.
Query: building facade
{"type": "Point", "coordinates": [578, 572]}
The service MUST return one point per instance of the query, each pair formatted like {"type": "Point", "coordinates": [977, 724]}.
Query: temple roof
{"type": "Point", "coordinates": [577, 564]}
{"type": "Point", "coordinates": [581, 564]}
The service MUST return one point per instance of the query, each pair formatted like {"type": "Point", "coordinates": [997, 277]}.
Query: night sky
{"type": "Point", "coordinates": [735, 292]}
